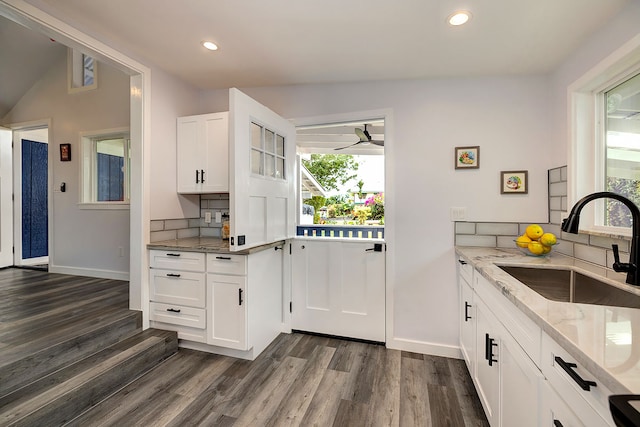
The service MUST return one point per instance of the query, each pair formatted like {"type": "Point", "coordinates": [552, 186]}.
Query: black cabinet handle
{"type": "Point", "coordinates": [568, 368]}
{"type": "Point", "coordinates": [557, 423]}
{"type": "Point", "coordinates": [489, 343]}
{"type": "Point", "coordinates": [202, 176]}
{"type": "Point", "coordinates": [224, 257]}
{"type": "Point", "coordinates": [173, 310]}
{"type": "Point", "coordinates": [172, 275]}
{"type": "Point", "coordinates": [197, 177]}
{"type": "Point", "coordinates": [463, 262]}
{"type": "Point", "coordinates": [239, 296]}
{"type": "Point", "coordinates": [173, 254]}
{"type": "Point", "coordinates": [466, 311]}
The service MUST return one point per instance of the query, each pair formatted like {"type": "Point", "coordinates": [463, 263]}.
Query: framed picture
{"type": "Point", "coordinates": [65, 152]}
{"type": "Point", "coordinates": [467, 157]}
{"type": "Point", "coordinates": [514, 182]}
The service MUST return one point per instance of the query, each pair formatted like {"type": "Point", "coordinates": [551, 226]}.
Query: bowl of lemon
{"type": "Point", "coordinates": [535, 242]}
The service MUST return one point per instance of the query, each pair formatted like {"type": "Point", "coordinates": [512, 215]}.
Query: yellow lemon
{"type": "Point", "coordinates": [534, 231]}
{"type": "Point", "coordinates": [536, 247]}
{"type": "Point", "coordinates": [523, 241]}
{"type": "Point", "coordinates": [548, 239]}
{"type": "Point", "coordinates": [546, 249]}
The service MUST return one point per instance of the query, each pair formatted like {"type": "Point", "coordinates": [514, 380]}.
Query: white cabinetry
{"type": "Point", "coordinates": [467, 315]}
{"type": "Point", "coordinates": [203, 153]}
{"type": "Point", "coordinates": [177, 293]}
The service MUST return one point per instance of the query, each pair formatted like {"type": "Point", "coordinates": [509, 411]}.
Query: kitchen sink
{"type": "Point", "coordinates": [570, 286]}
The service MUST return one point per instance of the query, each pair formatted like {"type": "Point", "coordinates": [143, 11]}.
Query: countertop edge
{"type": "Point", "coordinates": [208, 245]}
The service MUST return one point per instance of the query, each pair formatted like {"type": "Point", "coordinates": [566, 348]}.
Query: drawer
{"type": "Point", "coordinates": [465, 269]}
{"type": "Point", "coordinates": [591, 406]}
{"type": "Point", "coordinates": [227, 264]}
{"type": "Point", "coordinates": [178, 315]}
{"type": "Point", "coordinates": [184, 332]}
{"type": "Point", "coordinates": [178, 287]}
{"type": "Point", "coordinates": [177, 260]}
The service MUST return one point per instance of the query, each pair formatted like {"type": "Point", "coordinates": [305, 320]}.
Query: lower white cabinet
{"type": "Point", "coordinates": [467, 320]}
{"type": "Point", "coordinates": [227, 301]}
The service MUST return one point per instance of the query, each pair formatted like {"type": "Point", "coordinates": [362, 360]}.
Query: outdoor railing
{"type": "Point", "coordinates": [342, 231]}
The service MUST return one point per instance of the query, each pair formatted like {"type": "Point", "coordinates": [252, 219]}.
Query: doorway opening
{"type": "Point", "coordinates": [31, 197]}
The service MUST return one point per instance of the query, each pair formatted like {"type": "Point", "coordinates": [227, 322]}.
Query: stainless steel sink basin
{"type": "Point", "coordinates": [570, 286]}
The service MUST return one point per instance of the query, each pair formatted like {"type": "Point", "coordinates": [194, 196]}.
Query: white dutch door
{"type": "Point", "coordinates": [339, 288]}
{"type": "Point", "coordinates": [262, 157]}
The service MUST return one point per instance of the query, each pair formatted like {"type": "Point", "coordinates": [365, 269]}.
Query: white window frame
{"type": "Point", "coordinates": [75, 72]}
{"type": "Point", "coordinates": [586, 153]}
{"type": "Point", "coordinates": [88, 169]}
{"type": "Point", "coordinates": [264, 153]}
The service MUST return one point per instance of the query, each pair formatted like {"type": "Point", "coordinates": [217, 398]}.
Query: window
{"type": "Point", "coordinates": [622, 150]}
{"type": "Point", "coordinates": [82, 71]}
{"type": "Point", "coordinates": [105, 168]}
{"type": "Point", "coordinates": [267, 153]}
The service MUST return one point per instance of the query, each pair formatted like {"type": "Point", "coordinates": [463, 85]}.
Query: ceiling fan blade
{"type": "Point", "coordinates": [377, 142]}
{"type": "Point", "coordinates": [362, 135]}
{"type": "Point", "coordinates": [342, 148]}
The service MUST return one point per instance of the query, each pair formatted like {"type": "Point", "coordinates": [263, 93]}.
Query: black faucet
{"type": "Point", "coordinates": [570, 225]}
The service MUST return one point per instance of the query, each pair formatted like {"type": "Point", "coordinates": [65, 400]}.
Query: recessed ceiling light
{"type": "Point", "coordinates": [210, 45]}
{"type": "Point", "coordinates": [458, 18]}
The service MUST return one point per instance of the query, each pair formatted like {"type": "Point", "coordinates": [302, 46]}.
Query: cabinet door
{"type": "Point", "coordinates": [520, 382]}
{"type": "Point", "coordinates": [467, 325]}
{"type": "Point", "coordinates": [215, 132]}
{"type": "Point", "coordinates": [487, 376]}
{"type": "Point", "coordinates": [189, 155]}
{"type": "Point", "coordinates": [227, 311]}
{"type": "Point", "coordinates": [554, 411]}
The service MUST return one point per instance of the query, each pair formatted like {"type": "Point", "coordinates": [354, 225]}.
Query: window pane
{"type": "Point", "coordinates": [279, 145]}
{"type": "Point", "coordinates": [622, 147]}
{"type": "Point", "coordinates": [280, 168]}
{"type": "Point", "coordinates": [87, 70]}
{"type": "Point", "coordinates": [269, 139]}
{"type": "Point", "coordinates": [256, 162]}
{"type": "Point", "coordinates": [110, 170]}
{"type": "Point", "coordinates": [270, 165]}
{"type": "Point", "coordinates": [256, 135]}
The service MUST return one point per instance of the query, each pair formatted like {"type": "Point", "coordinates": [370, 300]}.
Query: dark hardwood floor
{"type": "Point", "coordinates": [299, 380]}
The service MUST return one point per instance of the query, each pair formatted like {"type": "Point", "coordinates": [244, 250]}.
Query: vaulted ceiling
{"type": "Point", "coordinates": [283, 42]}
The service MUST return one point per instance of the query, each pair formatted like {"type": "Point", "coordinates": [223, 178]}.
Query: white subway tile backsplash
{"type": "Point", "coordinates": [555, 175]}
{"type": "Point", "coordinates": [558, 189]}
{"type": "Point", "coordinates": [188, 232]}
{"type": "Point", "coordinates": [555, 203]}
{"type": "Point", "coordinates": [210, 232]}
{"type": "Point", "coordinates": [506, 241]}
{"type": "Point", "coordinates": [576, 238]}
{"type": "Point", "coordinates": [157, 225]}
{"type": "Point", "coordinates": [564, 247]}
{"type": "Point", "coordinates": [563, 173]}
{"type": "Point", "coordinates": [606, 242]}
{"type": "Point", "coordinates": [475, 240]}
{"type": "Point", "coordinates": [158, 236]}
{"type": "Point", "coordinates": [497, 228]}
{"type": "Point", "coordinates": [465, 228]}
{"type": "Point", "coordinates": [555, 217]}
{"type": "Point", "coordinates": [175, 224]}
{"type": "Point", "coordinates": [590, 254]}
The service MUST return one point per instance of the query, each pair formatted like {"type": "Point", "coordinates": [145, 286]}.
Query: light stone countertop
{"type": "Point", "coordinates": [207, 244]}
{"type": "Point", "coordinates": [596, 336]}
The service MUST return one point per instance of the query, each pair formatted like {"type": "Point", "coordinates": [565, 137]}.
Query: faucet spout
{"type": "Point", "coordinates": [570, 225]}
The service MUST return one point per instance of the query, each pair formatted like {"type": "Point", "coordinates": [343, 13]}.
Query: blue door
{"type": "Point", "coordinates": [35, 217]}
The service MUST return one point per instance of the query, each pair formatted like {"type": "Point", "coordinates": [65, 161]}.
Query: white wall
{"type": "Point", "coordinates": [82, 239]}
{"type": "Point", "coordinates": [506, 117]}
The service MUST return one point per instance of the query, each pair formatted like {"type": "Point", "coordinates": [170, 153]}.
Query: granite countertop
{"type": "Point", "coordinates": [207, 244]}
{"type": "Point", "coordinates": [601, 338]}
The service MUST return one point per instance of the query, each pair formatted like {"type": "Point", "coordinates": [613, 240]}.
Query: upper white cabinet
{"type": "Point", "coordinates": [203, 153]}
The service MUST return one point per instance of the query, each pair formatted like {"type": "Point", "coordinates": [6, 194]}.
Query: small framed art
{"type": "Point", "coordinates": [467, 157]}
{"type": "Point", "coordinates": [514, 182]}
{"type": "Point", "coordinates": [65, 152]}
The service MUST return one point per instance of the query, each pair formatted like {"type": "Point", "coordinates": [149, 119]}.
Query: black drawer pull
{"type": "Point", "coordinates": [173, 254]}
{"type": "Point", "coordinates": [466, 311]}
{"type": "Point", "coordinates": [174, 310]}
{"type": "Point", "coordinates": [197, 177]}
{"type": "Point", "coordinates": [202, 176]}
{"type": "Point", "coordinates": [239, 296]}
{"type": "Point", "coordinates": [172, 275]}
{"type": "Point", "coordinates": [463, 262]}
{"type": "Point", "coordinates": [568, 368]}
{"type": "Point", "coordinates": [557, 423]}
{"type": "Point", "coordinates": [228, 258]}
{"type": "Point", "coordinates": [489, 343]}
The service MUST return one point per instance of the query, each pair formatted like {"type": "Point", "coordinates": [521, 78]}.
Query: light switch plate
{"type": "Point", "coordinates": [207, 217]}
{"type": "Point", "coordinates": [458, 213]}
{"type": "Point", "coordinates": [218, 217]}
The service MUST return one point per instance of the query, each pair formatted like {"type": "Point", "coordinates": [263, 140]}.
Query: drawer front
{"type": "Point", "coordinates": [465, 269]}
{"type": "Point", "coordinates": [227, 264]}
{"type": "Point", "coordinates": [178, 315]}
{"type": "Point", "coordinates": [177, 260]}
{"type": "Point", "coordinates": [178, 287]}
{"type": "Point", "coordinates": [184, 332]}
{"type": "Point", "coordinates": [591, 405]}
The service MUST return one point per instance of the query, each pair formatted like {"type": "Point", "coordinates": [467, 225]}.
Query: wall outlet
{"type": "Point", "coordinates": [458, 214]}
{"type": "Point", "coordinates": [207, 217]}
{"type": "Point", "coordinates": [218, 217]}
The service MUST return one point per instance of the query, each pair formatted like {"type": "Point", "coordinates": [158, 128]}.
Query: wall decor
{"type": "Point", "coordinates": [468, 157]}
{"type": "Point", "coordinates": [65, 152]}
{"type": "Point", "coordinates": [514, 182]}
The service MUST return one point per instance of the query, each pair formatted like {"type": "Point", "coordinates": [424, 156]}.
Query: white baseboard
{"type": "Point", "coordinates": [89, 272]}
{"type": "Point", "coordinates": [424, 348]}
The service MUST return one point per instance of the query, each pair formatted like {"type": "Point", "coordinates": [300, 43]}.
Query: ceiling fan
{"type": "Point", "coordinates": [363, 138]}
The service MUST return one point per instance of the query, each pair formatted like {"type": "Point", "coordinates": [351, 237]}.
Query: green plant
{"type": "Point", "coordinates": [361, 214]}
{"type": "Point", "coordinates": [376, 203]}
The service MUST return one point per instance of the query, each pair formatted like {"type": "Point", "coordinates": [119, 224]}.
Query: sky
{"type": "Point", "coordinates": [370, 171]}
